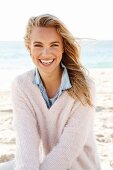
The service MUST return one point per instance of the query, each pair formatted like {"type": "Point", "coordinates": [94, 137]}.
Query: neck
{"type": "Point", "coordinates": [52, 82]}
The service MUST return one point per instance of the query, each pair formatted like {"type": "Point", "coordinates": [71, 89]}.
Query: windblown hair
{"type": "Point", "coordinates": [71, 59]}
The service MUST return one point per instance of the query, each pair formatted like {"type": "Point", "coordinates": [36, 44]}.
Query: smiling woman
{"type": "Point", "coordinates": [46, 49]}
{"type": "Point", "coordinates": [53, 104]}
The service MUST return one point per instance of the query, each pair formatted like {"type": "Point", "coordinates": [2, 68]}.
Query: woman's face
{"type": "Point", "coordinates": [46, 49]}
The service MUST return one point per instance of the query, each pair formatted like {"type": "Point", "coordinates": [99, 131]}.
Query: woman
{"type": "Point", "coordinates": [54, 103]}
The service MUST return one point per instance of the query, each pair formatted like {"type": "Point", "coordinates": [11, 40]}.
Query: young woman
{"type": "Point", "coordinates": [54, 103]}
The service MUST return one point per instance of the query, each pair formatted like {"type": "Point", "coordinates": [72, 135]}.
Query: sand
{"type": "Point", "coordinates": [103, 125]}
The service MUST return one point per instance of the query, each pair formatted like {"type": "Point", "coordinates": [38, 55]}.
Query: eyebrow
{"type": "Point", "coordinates": [54, 42]}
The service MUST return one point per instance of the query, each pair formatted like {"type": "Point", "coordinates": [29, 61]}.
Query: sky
{"type": "Point", "coordinates": [84, 18]}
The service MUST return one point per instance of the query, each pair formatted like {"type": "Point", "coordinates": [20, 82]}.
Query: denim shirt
{"type": "Point", "coordinates": [65, 84]}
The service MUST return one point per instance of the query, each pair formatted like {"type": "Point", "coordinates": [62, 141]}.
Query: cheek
{"type": "Point", "coordinates": [58, 52]}
{"type": "Point", "coordinates": [35, 52]}
{"type": "Point", "coordinates": [35, 60]}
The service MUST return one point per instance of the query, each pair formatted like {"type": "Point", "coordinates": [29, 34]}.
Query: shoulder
{"type": "Point", "coordinates": [24, 79]}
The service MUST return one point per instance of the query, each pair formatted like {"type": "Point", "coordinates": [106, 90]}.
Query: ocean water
{"type": "Point", "coordinates": [15, 59]}
{"type": "Point", "coordinates": [97, 54]}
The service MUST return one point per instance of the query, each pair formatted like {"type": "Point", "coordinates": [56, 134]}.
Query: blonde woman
{"type": "Point", "coordinates": [54, 103]}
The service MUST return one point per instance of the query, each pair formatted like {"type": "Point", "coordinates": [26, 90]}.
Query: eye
{"type": "Point", "coordinates": [37, 45]}
{"type": "Point", "coordinates": [54, 45]}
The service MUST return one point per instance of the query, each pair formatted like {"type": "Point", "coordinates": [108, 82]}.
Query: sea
{"type": "Point", "coordinates": [15, 59]}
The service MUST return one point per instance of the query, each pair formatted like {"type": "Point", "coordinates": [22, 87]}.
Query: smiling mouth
{"type": "Point", "coordinates": [47, 62]}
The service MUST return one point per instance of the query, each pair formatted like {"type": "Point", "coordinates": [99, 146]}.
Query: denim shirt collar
{"type": "Point", "coordinates": [65, 81]}
{"type": "Point", "coordinates": [65, 84]}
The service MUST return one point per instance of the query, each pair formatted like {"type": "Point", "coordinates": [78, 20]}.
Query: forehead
{"type": "Point", "coordinates": [45, 33]}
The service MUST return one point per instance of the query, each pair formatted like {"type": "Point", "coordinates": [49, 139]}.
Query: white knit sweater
{"type": "Point", "coordinates": [65, 130]}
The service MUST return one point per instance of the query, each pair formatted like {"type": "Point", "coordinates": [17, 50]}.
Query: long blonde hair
{"type": "Point", "coordinates": [70, 59]}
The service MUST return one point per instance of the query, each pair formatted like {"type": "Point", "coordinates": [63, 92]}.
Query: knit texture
{"type": "Point", "coordinates": [65, 131]}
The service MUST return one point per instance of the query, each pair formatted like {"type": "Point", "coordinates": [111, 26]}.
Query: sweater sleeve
{"type": "Point", "coordinates": [25, 126]}
{"type": "Point", "coordinates": [71, 141]}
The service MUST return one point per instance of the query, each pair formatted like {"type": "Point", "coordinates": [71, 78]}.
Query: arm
{"type": "Point", "coordinates": [71, 141]}
{"type": "Point", "coordinates": [27, 136]}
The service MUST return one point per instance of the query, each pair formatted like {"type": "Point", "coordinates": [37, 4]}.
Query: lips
{"type": "Point", "coordinates": [46, 62]}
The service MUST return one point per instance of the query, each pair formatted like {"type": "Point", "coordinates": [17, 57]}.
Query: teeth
{"type": "Point", "coordinates": [46, 61]}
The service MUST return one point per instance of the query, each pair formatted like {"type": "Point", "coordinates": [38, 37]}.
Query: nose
{"type": "Point", "coordinates": [45, 52]}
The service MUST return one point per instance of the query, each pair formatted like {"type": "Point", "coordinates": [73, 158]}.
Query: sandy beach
{"type": "Point", "coordinates": [103, 125]}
